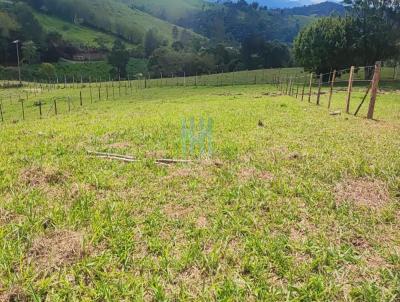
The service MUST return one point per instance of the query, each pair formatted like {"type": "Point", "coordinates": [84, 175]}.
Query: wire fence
{"type": "Point", "coordinates": [32, 100]}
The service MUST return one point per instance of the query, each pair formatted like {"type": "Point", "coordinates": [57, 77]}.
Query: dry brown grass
{"type": "Point", "coordinates": [36, 176]}
{"type": "Point", "coordinates": [56, 250]}
{"type": "Point", "coordinates": [365, 192]}
{"type": "Point", "coordinates": [15, 294]}
{"type": "Point", "coordinates": [247, 174]}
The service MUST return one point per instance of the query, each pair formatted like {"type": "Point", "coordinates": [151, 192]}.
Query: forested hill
{"type": "Point", "coordinates": [319, 9]}
{"type": "Point", "coordinates": [165, 35]}
{"type": "Point", "coordinates": [112, 16]}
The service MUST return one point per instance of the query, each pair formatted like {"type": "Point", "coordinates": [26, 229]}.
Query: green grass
{"type": "Point", "coordinates": [78, 35]}
{"type": "Point", "coordinates": [116, 18]}
{"type": "Point", "coordinates": [263, 224]}
{"type": "Point", "coordinates": [172, 10]}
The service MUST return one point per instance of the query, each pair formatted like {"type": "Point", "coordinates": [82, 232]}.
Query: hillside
{"type": "Point", "coordinates": [320, 9]}
{"type": "Point", "coordinates": [171, 10]}
{"type": "Point", "coordinates": [111, 16]}
{"type": "Point", "coordinates": [78, 35]}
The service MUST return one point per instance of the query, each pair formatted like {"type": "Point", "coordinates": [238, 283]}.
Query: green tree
{"type": "Point", "coordinates": [30, 53]}
{"type": "Point", "coordinates": [377, 29]}
{"type": "Point", "coordinates": [48, 70]}
{"type": "Point", "coordinates": [136, 66]}
{"type": "Point", "coordinates": [151, 42]}
{"type": "Point", "coordinates": [326, 44]}
{"type": "Point", "coordinates": [175, 33]}
{"type": "Point", "coordinates": [7, 24]}
{"type": "Point", "coordinates": [119, 57]}
{"type": "Point", "coordinates": [368, 34]}
{"type": "Point", "coordinates": [101, 43]}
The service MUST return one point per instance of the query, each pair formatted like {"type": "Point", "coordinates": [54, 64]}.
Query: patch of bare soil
{"type": "Point", "coordinates": [56, 250]}
{"type": "Point", "coordinates": [295, 155]}
{"type": "Point", "coordinates": [40, 176]}
{"type": "Point", "coordinates": [7, 217]}
{"type": "Point", "coordinates": [119, 145]}
{"type": "Point", "coordinates": [14, 294]}
{"type": "Point", "coordinates": [202, 222]}
{"type": "Point", "coordinates": [362, 192]}
{"type": "Point", "coordinates": [177, 211]}
{"type": "Point", "coordinates": [192, 278]}
{"type": "Point", "coordinates": [247, 174]}
{"type": "Point", "coordinates": [156, 154]}
{"type": "Point", "coordinates": [197, 171]}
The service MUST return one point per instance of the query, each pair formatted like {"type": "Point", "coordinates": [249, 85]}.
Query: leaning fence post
{"type": "Point", "coordinates": [349, 89]}
{"type": "Point", "coordinates": [374, 90]}
{"type": "Point", "coordinates": [319, 89]}
{"type": "Point", "coordinates": [310, 91]}
{"type": "Point", "coordinates": [331, 88]}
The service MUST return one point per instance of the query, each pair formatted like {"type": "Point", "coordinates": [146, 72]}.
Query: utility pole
{"type": "Point", "coordinates": [16, 42]}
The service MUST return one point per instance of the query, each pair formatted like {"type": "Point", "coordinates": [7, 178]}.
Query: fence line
{"type": "Point", "coordinates": [292, 82]}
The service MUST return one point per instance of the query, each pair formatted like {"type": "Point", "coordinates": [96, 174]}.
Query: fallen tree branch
{"type": "Point", "coordinates": [111, 154]}
{"type": "Point", "coordinates": [131, 159]}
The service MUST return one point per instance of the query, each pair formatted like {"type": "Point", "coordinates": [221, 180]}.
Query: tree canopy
{"type": "Point", "coordinates": [370, 32]}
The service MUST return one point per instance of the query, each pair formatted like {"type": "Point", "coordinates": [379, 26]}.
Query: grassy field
{"type": "Point", "coordinates": [293, 205]}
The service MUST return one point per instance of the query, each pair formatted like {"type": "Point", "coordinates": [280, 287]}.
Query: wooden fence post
{"type": "Point", "coordinates": [23, 109]}
{"type": "Point", "coordinates": [310, 90]}
{"type": "Point", "coordinates": [80, 97]}
{"type": "Point", "coordinates": [319, 89]}
{"type": "Point", "coordinates": [55, 106]}
{"type": "Point", "coordinates": [349, 89]}
{"type": "Point", "coordinates": [304, 89]}
{"type": "Point", "coordinates": [374, 90]}
{"type": "Point", "coordinates": [40, 109]}
{"type": "Point", "coordinates": [1, 112]}
{"type": "Point", "coordinates": [331, 88]}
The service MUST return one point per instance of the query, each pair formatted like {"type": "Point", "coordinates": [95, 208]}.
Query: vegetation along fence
{"type": "Point", "coordinates": [31, 100]}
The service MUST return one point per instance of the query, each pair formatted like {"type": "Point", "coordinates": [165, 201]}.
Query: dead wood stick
{"type": "Point", "coordinates": [173, 161]}
{"type": "Point", "coordinates": [363, 100]}
{"type": "Point", "coordinates": [111, 154]}
{"type": "Point", "coordinates": [127, 158]}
